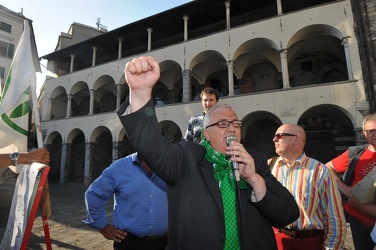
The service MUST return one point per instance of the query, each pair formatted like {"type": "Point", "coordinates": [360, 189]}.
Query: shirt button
{"type": "Point", "coordinates": [222, 238]}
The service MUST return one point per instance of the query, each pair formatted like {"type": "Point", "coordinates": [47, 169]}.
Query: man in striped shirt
{"type": "Point", "coordinates": [321, 224]}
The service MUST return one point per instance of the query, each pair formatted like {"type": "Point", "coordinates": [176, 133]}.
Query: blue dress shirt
{"type": "Point", "coordinates": [140, 200]}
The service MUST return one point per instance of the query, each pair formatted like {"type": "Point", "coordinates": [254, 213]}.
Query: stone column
{"type": "Point", "coordinates": [120, 47]}
{"type": "Point", "coordinates": [69, 105]}
{"type": "Point", "coordinates": [115, 150]}
{"type": "Point", "coordinates": [186, 18]}
{"type": "Point", "coordinates": [285, 70]}
{"type": "Point", "coordinates": [72, 63]}
{"type": "Point", "coordinates": [92, 98]}
{"type": "Point", "coordinates": [49, 112]}
{"type": "Point", "coordinates": [63, 162]}
{"type": "Point", "coordinates": [228, 17]}
{"type": "Point", "coordinates": [87, 170]}
{"type": "Point", "coordinates": [279, 7]}
{"type": "Point", "coordinates": [94, 56]}
{"type": "Point", "coordinates": [118, 95]}
{"type": "Point", "coordinates": [230, 70]}
{"type": "Point", "coordinates": [345, 43]}
{"type": "Point", "coordinates": [150, 30]}
{"type": "Point", "coordinates": [187, 86]}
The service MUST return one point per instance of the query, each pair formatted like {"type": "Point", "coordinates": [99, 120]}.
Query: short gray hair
{"type": "Point", "coordinates": [368, 118]}
{"type": "Point", "coordinates": [216, 106]}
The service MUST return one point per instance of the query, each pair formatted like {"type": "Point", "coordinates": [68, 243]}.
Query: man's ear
{"type": "Point", "coordinates": [206, 134]}
{"type": "Point", "coordinates": [298, 140]}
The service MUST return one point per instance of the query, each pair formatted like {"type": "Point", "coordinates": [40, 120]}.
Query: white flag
{"type": "Point", "coordinates": [15, 102]}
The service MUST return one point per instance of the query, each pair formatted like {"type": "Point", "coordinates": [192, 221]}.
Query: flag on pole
{"type": "Point", "coordinates": [15, 106]}
{"type": "Point", "coordinates": [15, 101]}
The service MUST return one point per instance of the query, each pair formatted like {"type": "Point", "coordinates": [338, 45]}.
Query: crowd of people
{"type": "Point", "coordinates": [210, 192]}
{"type": "Point", "coordinates": [290, 201]}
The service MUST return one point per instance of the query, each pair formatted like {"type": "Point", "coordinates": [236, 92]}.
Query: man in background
{"type": "Point", "coordinates": [321, 224]}
{"type": "Point", "coordinates": [209, 97]}
{"type": "Point", "coordinates": [361, 223]}
{"type": "Point", "coordinates": [140, 205]}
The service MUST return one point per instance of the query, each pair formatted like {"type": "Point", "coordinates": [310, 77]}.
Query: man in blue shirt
{"type": "Point", "coordinates": [140, 205]}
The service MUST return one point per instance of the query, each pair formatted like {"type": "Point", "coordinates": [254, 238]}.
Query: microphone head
{"type": "Point", "coordinates": [230, 139]}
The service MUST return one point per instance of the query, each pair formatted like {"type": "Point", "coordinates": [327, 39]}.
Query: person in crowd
{"type": "Point", "coordinates": [209, 97]}
{"type": "Point", "coordinates": [322, 224]}
{"type": "Point", "coordinates": [361, 223]}
{"type": "Point", "coordinates": [364, 192]}
{"type": "Point", "coordinates": [140, 205]}
{"type": "Point", "coordinates": [40, 155]}
{"type": "Point", "coordinates": [208, 208]}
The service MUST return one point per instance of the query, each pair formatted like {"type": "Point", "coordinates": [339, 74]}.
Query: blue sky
{"type": "Point", "coordinates": [50, 17]}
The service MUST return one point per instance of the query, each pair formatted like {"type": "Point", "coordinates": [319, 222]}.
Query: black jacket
{"type": "Point", "coordinates": [195, 204]}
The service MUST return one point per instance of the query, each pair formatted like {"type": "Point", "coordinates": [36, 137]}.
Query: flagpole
{"type": "Point", "coordinates": [38, 129]}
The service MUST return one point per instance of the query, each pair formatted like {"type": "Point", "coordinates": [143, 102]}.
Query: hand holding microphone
{"type": "Point", "coordinates": [230, 139]}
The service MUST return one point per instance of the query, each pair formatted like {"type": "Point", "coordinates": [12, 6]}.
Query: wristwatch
{"type": "Point", "coordinates": [14, 158]}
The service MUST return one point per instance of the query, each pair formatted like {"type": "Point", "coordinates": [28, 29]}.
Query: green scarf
{"type": "Point", "coordinates": [223, 165]}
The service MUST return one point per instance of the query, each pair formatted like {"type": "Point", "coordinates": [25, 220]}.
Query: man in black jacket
{"type": "Point", "coordinates": [199, 206]}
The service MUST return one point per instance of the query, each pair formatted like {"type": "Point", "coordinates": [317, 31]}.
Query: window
{"type": "Point", "coordinates": [6, 27]}
{"type": "Point", "coordinates": [6, 50]}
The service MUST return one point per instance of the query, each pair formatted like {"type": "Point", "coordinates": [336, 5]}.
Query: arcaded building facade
{"type": "Point", "coordinates": [274, 61]}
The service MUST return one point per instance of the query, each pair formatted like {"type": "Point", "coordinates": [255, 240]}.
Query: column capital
{"type": "Point", "coordinates": [345, 39]}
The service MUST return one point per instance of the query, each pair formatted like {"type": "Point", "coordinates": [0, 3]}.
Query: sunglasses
{"type": "Point", "coordinates": [282, 135]}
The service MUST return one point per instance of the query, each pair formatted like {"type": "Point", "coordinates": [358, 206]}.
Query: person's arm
{"type": "Point", "coordinates": [247, 169]}
{"type": "Point", "coordinates": [189, 132]}
{"type": "Point", "coordinates": [110, 232]}
{"type": "Point", "coordinates": [268, 192]}
{"type": "Point", "coordinates": [335, 223]}
{"type": "Point", "coordinates": [346, 190]}
{"type": "Point", "coordinates": [97, 196]}
{"type": "Point", "coordinates": [40, 155]}
{"type": "Point", "coordinates": [369, 208]}
{"type": "Point", "coordinates": [141, 75]}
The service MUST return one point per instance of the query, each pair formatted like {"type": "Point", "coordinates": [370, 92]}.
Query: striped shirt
{"type": "Point", "coordinates": [317, 196]}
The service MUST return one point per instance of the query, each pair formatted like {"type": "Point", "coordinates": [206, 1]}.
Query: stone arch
{"type": "Point", "coordinates": [329, 131]}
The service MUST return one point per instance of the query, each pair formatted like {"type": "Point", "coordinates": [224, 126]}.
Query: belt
{"type": "Point", "coordinates": [154, 237]}
{"type": "Point", "coordinates": [301, 234]}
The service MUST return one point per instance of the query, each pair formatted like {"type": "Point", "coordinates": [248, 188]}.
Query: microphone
{"type": "Point", "coordinates": [230, 139]}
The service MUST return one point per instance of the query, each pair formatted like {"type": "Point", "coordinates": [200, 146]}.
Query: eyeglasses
{"type": "Point", "coordinates": [226, 124]}
{"type": "Point", "coordinates": [282, 135]}
{"type": "Point", "coordinates": [370, 131]}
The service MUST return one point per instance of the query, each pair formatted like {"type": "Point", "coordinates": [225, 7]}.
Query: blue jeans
{"type": "Point", "coordinates": [361, 235]}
